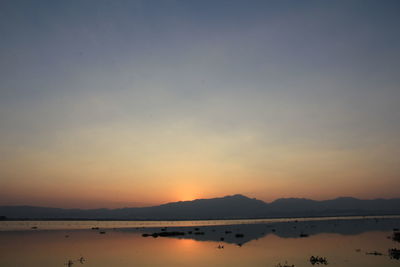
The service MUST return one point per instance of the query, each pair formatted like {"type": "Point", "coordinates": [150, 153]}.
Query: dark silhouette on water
{"type": "Point", "coordinates": [164, 234]}
{"type": "Point", "coordinates": [396, 236]}
{"type": "Point", "coordinates": [81, 260]}
{"type": "Point", "coordinates": [318, 260]}
{"type": "Point", "coordinates": [244, 233]}
{"type": "Point", "coordinates": [229, 207]}
{"type": "Point", "coordinates": [374, 253]}
{"type": "Point", "coordinates": [394, 253]}
{"type": "Point", "coordinates": [303, 235]}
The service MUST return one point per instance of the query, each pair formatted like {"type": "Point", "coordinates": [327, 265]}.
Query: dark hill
{"type": "Point", "coordinates": [228, 207]}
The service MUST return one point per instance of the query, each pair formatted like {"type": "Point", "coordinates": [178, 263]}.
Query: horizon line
{"type": "Point", "coordinates": [197, 199]}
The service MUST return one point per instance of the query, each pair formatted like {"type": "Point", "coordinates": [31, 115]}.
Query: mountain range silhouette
{"type": "Point", "coordinates": [228, 207]}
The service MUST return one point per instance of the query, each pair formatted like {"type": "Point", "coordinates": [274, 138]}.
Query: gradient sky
{"type": "Point", "coordinates": [130, 103]}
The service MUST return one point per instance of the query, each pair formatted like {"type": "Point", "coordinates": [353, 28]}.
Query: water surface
{"type": "Point", "coordinates": [342, 242]}
{"type": "Point", "coordinates": [82, 224]}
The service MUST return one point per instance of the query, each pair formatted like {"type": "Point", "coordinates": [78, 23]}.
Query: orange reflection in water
{"type": "Point", "coordinates": [52, 248]}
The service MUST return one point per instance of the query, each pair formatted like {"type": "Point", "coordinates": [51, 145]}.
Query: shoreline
{"type": "Point", "coordinates": [37, 225]}
{"type": "Point", "coordinates": [204, 219]}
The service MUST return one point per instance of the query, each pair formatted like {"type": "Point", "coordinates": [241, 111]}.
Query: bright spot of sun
{"type": "Point", "coordinates": [185, 193]}
{"type": "Point", "coordinates": [187, 197]}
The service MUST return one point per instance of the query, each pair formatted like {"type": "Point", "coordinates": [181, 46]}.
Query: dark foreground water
{"type": "Point", "coordinates": [354, 242]}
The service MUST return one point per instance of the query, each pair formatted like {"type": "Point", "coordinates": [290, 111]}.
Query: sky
{"type": "Point", "coordinates": [135, 103]}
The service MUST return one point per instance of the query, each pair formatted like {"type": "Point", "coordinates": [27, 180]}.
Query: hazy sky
{"type": "Point", "coordinates": [126, 103]}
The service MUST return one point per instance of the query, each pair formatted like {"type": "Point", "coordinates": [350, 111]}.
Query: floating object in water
{"type": "Point", "coordinates": [396, 236]}
{"type": "Point", "coordinates": [174, 233]}
{"type": "Point", "coordinates": [375, 253]}
{"type": "Point", "coordinates": [303, 235]}
{"type": "Point", "coordinates": [155, 235]}
{"type": "Point", "coordinates": [81, 260]}
{"type": "Point", "coordinates": [95, 228]}
{"type": "Point", "coordinates": [34, 227]}
{"type": "Point", "coordinates": [239, 235]}
{"type": "Point", "coordinates": [394, 253]}
{"type": "Point", "coordinates": [318, 260]}
{"type": "Point", "coordinates": [102, 232]}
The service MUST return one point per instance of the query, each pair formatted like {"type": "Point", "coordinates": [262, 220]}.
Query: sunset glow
{"type": "Point", "coordinates": [137, 103]}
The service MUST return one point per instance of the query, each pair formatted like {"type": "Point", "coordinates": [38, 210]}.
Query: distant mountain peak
{"type": "Point", "coordinates": [242, 198]}
{"type": "Point", "coordinates": [237, 196]}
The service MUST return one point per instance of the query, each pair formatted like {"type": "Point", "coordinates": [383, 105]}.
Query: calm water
{"type": "Point", "coordinates": [342, 242]}
{"type": "Point", "coordinates": [61, 225]}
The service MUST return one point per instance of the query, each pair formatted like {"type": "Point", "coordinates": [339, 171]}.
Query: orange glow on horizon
{"type": "Point", "coordinates": [185, 193]}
